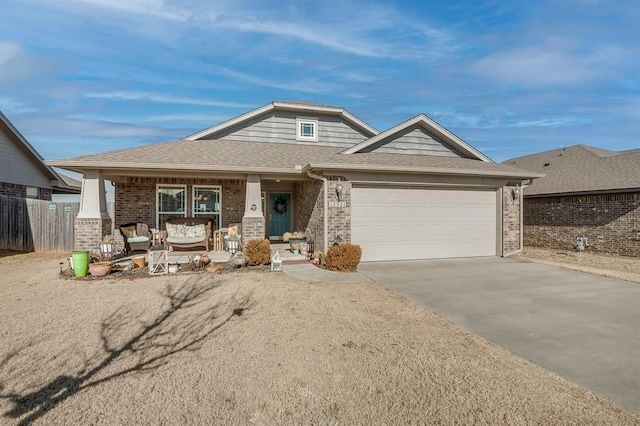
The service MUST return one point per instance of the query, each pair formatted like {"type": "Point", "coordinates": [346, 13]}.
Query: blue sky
{"type": "Point", "coordinates": [509, 77]}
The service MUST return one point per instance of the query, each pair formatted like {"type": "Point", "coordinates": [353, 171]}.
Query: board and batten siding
{"type": "Point", "coordinates": [18, 165]}
{"type": "Point", "coordinates": [415, 140]}
{"type": "Point", "coordinates": [280, 126]}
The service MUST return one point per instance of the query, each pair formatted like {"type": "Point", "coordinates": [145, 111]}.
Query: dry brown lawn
{"type": "Point", "coordinates": [256, 348]}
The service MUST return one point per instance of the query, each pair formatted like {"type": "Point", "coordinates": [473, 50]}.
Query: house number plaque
{"type": "Point", "coordinates": [337, 204]}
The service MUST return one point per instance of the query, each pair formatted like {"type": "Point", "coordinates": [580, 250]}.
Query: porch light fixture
{"type": "Point", "coordinates": [515, 193]}
{"type": "Point", "coordinates": [339, 190]}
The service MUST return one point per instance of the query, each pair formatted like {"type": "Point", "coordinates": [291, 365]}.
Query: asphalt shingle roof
{"type": "Point", "coordinates": [211, 154]}
{"type": "Point", "coordinates": [581, 168]}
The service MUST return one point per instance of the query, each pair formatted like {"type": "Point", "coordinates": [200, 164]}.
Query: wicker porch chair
{"type": "Point", "coordinates": [136, 237]}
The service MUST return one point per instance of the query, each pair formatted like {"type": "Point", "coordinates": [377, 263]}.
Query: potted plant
{"type": "Point", "coordinates": [296, 238]}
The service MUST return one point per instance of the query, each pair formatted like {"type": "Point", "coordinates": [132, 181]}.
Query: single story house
{"type": "Point", "coordinates": [587, 192]}
{"type": "Point", "coordinates": [414, 191]}
{"type": "Point", "coordinates": [23, 172]}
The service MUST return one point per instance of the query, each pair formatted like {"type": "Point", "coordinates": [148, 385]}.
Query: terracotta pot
{"type": "Point", "coordinates": [100, 269]}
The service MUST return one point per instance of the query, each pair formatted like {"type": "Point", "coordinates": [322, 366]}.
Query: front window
{"type": "Point", "coordinates": [307, 130]}
{"type": "Point", "coordinates": [206, 204]}
{"type": "Point", "coordinates": [171, 203]}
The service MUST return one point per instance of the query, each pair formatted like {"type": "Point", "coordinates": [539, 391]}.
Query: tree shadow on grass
{"type": "Point", "coordinates": [184, 324]}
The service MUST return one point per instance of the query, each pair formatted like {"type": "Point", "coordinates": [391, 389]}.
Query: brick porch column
{"type": "Point", "coordinates": [253, 219]}
{"type": "Point", "coordinates": [93, 219]}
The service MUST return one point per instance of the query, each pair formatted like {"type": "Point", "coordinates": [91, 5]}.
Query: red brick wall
{"type": "Point", "coordinates": [610, 222]}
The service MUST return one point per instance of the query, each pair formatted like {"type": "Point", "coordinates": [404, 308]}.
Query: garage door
{"type": "Point", "coordinates": [417, 223]}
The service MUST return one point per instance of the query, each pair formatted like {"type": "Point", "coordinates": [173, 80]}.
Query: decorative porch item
{"type": "Point", "coordinates": [276, 262]}
{"type": "Point", "coordinates": [139, 261]}
{"type": "Point", "coordinates": [240, 259]}
{"type": "Point", "coordinates": [100, 269]}
{"type": "Point", "coordinates": [106, 247]}
{"type": "Point", "coordinates": [80, 260]}
{"type": "Point", "coordinates": [173, 268]}
{"type": "Point", "coordinates": [280, 205]}
{"type": "Point", "coordinates": [158, 261]}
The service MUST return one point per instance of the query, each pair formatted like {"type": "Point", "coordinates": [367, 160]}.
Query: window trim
{"type": "Point", "coordinates": [193, 206]}
{"type": "Point", "coordinates": [184, 210]}
{"type": "Point", "coordinates": [300, 136]}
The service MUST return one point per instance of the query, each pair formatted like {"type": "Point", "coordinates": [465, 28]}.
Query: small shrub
{"type": "Point", "coordinates": [258, 252]}
{"type": "Point", "coordinates": [343, 257]}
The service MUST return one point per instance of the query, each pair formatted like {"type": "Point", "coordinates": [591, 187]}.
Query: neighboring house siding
{"type": "Point", "coordinates": [610, 222]}
{"type": "Point", "coordinates": [414, 140]}
{"type": "Point", "coordinates": [18, 165]}
{"type": "Point", "coordinates": [280, 127]}
{"type": "Point", "coordinates": [136, 199]}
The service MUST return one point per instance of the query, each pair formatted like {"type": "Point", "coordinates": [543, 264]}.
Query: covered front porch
{"type": "Point", "coordinates": [262, 206]}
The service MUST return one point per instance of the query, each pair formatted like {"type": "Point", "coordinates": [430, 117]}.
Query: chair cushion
{"type": "Point", "coordinates": [176, 230]}
{"type": "Point", "coordinates": [185, 240]}
{"type": "Point", "coordinates": [137, 239]}
{"type": "Point", "coordinates": [129, 231]}
{"type": "Point", "coordinates": [194, 231]}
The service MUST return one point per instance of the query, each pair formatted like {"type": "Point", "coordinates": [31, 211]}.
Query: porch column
{"type": "Point", "coordinates": [253, 219]}
{"type": "Point", "coordinates": [93, 219]}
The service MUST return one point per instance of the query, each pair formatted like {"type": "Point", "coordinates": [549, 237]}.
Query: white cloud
{"type": "Point", "coordinates": [150, 97]}
{"type": "Point", "coordinates": [553, 62]}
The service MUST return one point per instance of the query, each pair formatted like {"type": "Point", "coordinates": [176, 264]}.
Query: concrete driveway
{"type": "Point", "coordinates": [583, 327]}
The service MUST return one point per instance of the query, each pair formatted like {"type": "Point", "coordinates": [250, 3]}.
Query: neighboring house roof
{"type": "Point", "coordinates": [297, 106]}
{"type": "Point", "coordinates": [581, 169]}
{"type": "Point", "coordinates": [263, 157]}
{"type": "Point", "coordinates": [428, 124]}
{"type": "Point", "coordinates": [57, 182]}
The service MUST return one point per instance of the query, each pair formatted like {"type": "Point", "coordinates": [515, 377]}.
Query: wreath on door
{"type": "Point", "coordinates": [280, 205]}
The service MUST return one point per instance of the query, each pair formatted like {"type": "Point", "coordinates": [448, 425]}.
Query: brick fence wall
{"type": "Point", "coordinates": [309, 210]}
{"type": "Point", "coordinates": [610, 222]}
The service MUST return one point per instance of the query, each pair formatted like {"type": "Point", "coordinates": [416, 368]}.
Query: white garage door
{"type": "Point", "coordinates": [417, 223]}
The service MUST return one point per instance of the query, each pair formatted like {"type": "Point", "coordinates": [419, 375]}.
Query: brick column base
{"type": "Point", "coordinates": [88, 233]}
{"type": "Point", "coordinates": [252, 228]}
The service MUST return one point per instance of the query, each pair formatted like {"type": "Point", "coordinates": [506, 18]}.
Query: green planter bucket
{"type": "Point", "coordinates": [80, 263]}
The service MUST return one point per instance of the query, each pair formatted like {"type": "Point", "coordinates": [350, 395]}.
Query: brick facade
{"type": "Point", "coordinates": [136, 199]}
{"type": "Point", "coordinates": [339, 218]}
{"type": "Point", "coordinates": [88, 233]}
{"type": "Point", "coordinates": [610, 222]}
{"type": "Point", "coordinates": [253, 228]}
{"type": "Point", "coordinates": [309, 210]}
{"type": "Point", "coordinates": [20, 191]}
{"type": "Point", "coordinates": [511, 220]}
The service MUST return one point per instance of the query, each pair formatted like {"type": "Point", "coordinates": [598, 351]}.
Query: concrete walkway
{"type": "Point", "coordinates": [583, 327]}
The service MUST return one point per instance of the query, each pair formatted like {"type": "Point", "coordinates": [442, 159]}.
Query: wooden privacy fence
{"type": "Point", "coordinates": [38, 225]}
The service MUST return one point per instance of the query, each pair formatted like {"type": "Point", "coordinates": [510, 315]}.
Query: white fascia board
{"type": "Point", "coordinates": [424, 170]}
{"type": "Point", "coordinates": [431, 125]}
{"type": "Point", "coordinates": [230, 123]}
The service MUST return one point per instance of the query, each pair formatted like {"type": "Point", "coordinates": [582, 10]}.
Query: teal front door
{"type": "Point", "coordinates": [279, 214]}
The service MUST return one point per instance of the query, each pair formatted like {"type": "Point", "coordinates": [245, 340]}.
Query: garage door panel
{"type": "Point", "coordinates": [407, 223]}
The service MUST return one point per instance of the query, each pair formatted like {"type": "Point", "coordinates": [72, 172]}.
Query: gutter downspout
{"type": "Point", "coordinates": [325, 192]}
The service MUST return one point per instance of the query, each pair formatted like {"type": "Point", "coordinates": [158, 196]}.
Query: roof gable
{"type": "Point", "coordinates": [301, 108]}
{"type": "Point", "coordinates": [419, 135]}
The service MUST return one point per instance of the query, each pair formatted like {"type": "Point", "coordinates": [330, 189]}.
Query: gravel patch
{"type": "Point", "coordinates": [256, 348]}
